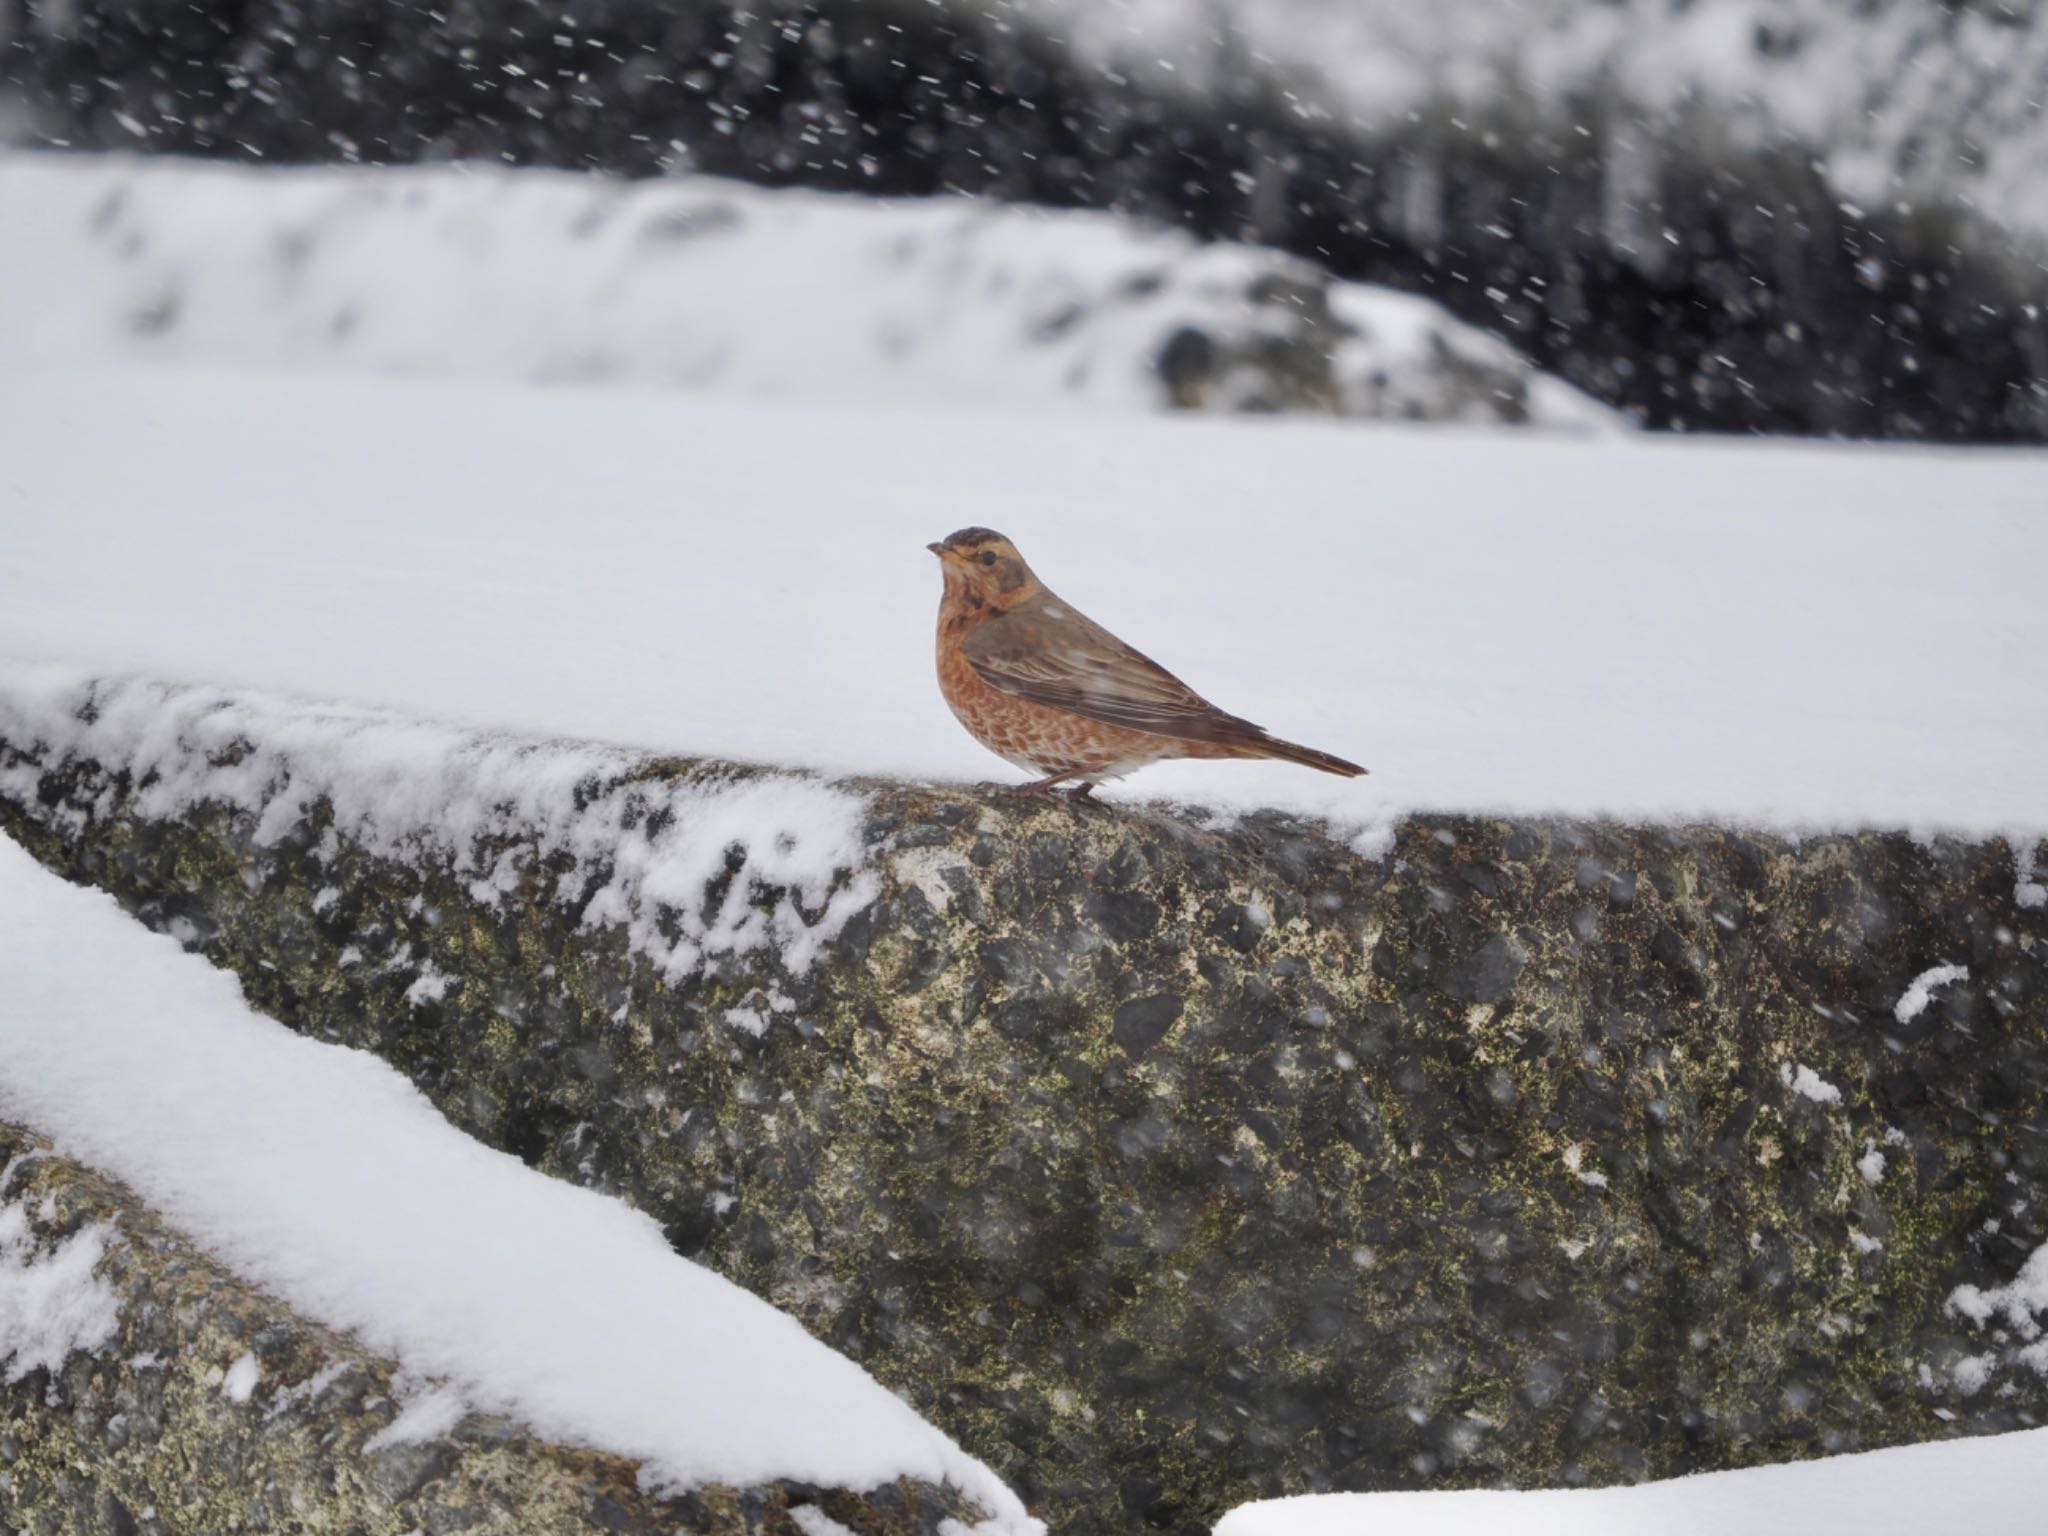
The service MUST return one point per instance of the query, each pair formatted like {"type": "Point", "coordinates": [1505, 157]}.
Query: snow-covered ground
{"type": "Point", "coordinates": [1798, 636]}
{"type": "Point", "coordinates": [1894, 100]}
{"type": "Point", "coordinates": [1991, 1484]}
{"type": "Point", "coordinates": [322, 1175]}
{"type": "Point", "coordinates": [693, 282]}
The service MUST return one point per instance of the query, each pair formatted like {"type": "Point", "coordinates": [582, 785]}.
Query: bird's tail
{"type": "Point", "coordinates": [1308, 757]}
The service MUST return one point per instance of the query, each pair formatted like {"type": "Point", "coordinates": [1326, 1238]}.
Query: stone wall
{"type": "Point", "coordinates": [1168, 1164]}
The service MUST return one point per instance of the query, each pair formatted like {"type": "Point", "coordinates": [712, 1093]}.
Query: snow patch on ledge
{"type": "Point", "coordinates": [52, 1304]}
{"type": "Point", "coordinates": [1983, 1484]}
{"type": "Point", "coordinates": [644, 848]}
{"type": "Point", "coordinates": [2015, 1312]}
{"type": "Point", "coordinates": [2026, 890]}
{"type": "Point", "coordinates": [1809, 1084]}
{"type": "Point", "coordinates": [1920, 992]}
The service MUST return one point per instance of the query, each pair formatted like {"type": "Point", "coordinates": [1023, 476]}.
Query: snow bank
{"type": "Point", "coordinates": [1991, 1483]}
{"type": "Point", "coordinates": [321, 1174]}
{"type": "Point", "coordinates": [1759, 633]}
{"type": "Point", "coordinates": [699, 283]}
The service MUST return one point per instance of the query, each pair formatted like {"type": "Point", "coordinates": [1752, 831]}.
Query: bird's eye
{"type": "Point", "coordinates": [988, 557]}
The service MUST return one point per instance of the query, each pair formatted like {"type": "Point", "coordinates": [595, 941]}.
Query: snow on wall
{"type": "Point", "coordinates": [699, 283]}
{"type": "Point", "coordinates": [1920, 991]}
{"type": "Point", "coordinates": [2015, 1311]}
{"type": "Point", "coordinates": [644, 850]}
{"type": "Point", "coordinates": [1983, 1484]}
{"type": "Point", "coordinates": [52, 1304]}
{"type": "Point", "coordinates": [1753, 633]}
{"type": "Point", "coordinates": [323, 1175]}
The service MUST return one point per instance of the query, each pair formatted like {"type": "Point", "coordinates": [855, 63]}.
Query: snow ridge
{"type": "Point", "coordinates": [323, 1175]}
{"type": "Point", "coordinates": [644, 848]}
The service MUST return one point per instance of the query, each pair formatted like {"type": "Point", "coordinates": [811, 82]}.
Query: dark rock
{"type": "Point", "coordinates": [1143, 1022]}
{"type": "Point", "coordinates": [1489, 973]}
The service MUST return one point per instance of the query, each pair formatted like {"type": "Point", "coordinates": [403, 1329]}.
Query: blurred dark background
{"type": "Point", "coordinates": [1699, 267]}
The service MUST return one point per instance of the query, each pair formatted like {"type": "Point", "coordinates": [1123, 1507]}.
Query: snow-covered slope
{"type": "Point", "coordinates": [1764, 633]}
{"type": "Point", "coordinates": [1895, 100]}
{"type": "Point", "coordinates": [323, 1175]}
{"type": "Point", "coordinates": [707, 284]}
{"type": "Point", "coordinates": [1988, 1484]}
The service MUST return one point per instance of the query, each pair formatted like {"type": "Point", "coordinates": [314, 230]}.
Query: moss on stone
{"type": "Point", "coordinates": [1167, 1166]}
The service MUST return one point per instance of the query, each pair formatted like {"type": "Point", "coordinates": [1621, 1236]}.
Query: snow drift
{"type": "Point", "coordinates": [697, 283]}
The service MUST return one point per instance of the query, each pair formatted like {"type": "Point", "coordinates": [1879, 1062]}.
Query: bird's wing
{"type": "Point", "coordinates": [1044, 651]}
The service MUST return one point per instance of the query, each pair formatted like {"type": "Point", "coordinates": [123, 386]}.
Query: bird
{"type": "Point", "coordinates": [1045, 687]}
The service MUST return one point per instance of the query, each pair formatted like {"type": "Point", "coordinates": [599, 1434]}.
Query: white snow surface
{"type": "Point", "coordinates": [1985, 1483]}
{"type": "Point", "coordinates": [322, 1175]}
{"type": "Point", "coordinates": [1809, 1084]}
{"type": "Point", "coordinates": [642, 850]}
{"type": "Point", "coordinates": [692, 282]}
{"type": "Point", "coordinates": [52, 1303]}
{"type": "Point", "coordinates": [1920, 992]}
{"type": "Point", "coordinates": [1796, 636]}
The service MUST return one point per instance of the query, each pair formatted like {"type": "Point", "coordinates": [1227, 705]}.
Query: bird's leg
{"type": "Point", "coordinates": [1085, 790]}
{"type": "Point", "coordinates": [1050, 781]}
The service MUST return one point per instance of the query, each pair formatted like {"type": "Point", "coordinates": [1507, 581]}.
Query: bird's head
{"type": "Point", "coordinates": [983, 569]}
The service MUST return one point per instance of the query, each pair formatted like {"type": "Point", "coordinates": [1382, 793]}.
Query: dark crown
{"type": "Point", "coordinates": [971, 538]}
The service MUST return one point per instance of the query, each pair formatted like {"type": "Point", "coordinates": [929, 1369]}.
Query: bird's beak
{"type": "Point", "coordinates": [937, 549]}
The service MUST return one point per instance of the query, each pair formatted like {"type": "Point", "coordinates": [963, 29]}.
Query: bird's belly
{"type": "Point", "coordinates": [1045, 740]}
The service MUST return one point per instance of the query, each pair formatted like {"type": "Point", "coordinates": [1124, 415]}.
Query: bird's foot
{"type": "Point", "coordinates": [1083, 791]}
{"type": "Point", "coordinates": [1048, 784]}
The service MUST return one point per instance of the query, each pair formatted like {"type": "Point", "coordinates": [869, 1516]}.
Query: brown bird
{"type": "Point", "coordinates": [1047, 688]}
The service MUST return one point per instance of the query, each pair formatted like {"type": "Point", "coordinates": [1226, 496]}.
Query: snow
{"type": "Point", "coordinates": [1914, 1000]}
{"type": "Point", "coordinates": [1871, 1164]}
{"type": "Point", "coordinates": [1809, 1084]}
{"type": "Point", "coordinates": [813, 1521]}
{"type": "Point", "coordinates": [2017, 1303]}
{"type": "Point", "coordinates": [640, 850]}
{"type": "Point", "coordinates": [322, 1175]}
{"type": "Point", "coordinates": [427, 1412]}
{"type": "Point", "coordinates": [52, 1303]}
{"type": "Point", "coordinates": [1985, 1483]}
{"type": "Point", "coordinates": [688, 282]}
{"type": "Point", "coordinates": [1792, 636]}
{"type": "Point", "coordinates": [239, 1385]}
{"type": "Point", "coordinates": [2027, 891]}
{"type": "Point", "coordinates": [2015, 1311]}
